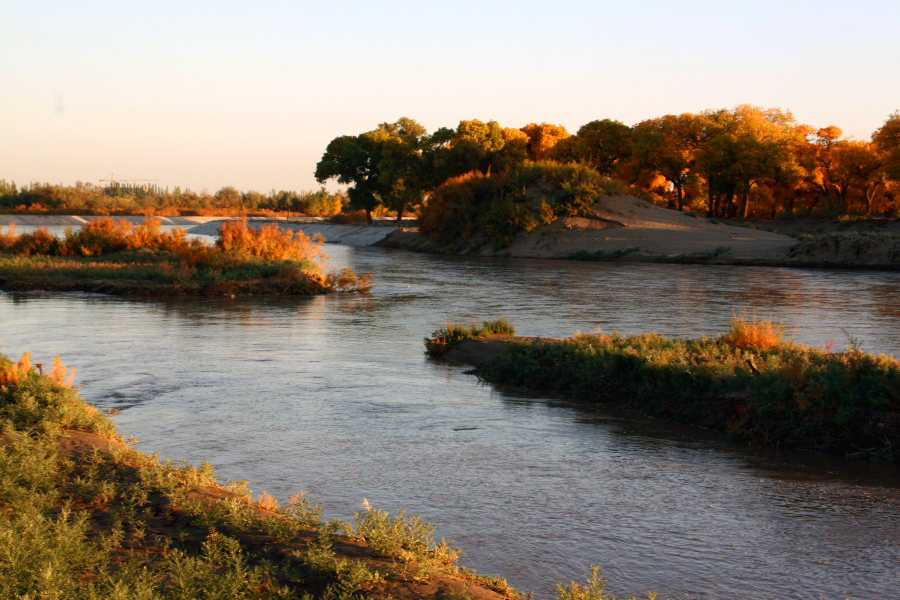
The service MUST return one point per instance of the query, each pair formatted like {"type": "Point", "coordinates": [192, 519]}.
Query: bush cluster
{"type": "Point", "coordinates": [479, 208]}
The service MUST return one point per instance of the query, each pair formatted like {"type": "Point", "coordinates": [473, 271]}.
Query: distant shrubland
{"type": "Point", "coordinates": [151, 200]}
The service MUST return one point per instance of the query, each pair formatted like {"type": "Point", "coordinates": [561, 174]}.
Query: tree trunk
{"type": "Point", "coordinates": [679, 196]}
{"type": "Point", "coordinates": [710, 199]}
{"type": "Point", "coordinates": [400, 213]}
{"type": "Point", "coordinates": [871, 193]}
{"type": "Point", "coordinates": [368, 216]}
{"type": "Point", "coordinates": [745, 213]}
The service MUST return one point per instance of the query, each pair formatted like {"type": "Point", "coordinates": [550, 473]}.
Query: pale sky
{"type": "Point", "coordinates": [207, 94]}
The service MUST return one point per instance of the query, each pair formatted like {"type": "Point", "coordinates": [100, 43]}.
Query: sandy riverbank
{"type": "Point", "coordinates": [625, 228]}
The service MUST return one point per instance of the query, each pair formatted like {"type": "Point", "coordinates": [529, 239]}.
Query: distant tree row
{"type": "Point", "coordinates": [740, 163]}
{"type": "Point", "coordinates": [86, 198]}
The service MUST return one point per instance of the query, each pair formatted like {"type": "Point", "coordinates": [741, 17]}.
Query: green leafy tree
{"type": "Point", "coordinates": [602, 145]}
{"type": "Point", "coordinates": [402, 170]}
{"type": "Point", "coordinates": [228, 197]}
{"type": "Point", "coordinates": [354, 160]}
{"type": "Point", "coordinates": [474, 146]}
{"type": "Point", "coordinates": [743, 148]}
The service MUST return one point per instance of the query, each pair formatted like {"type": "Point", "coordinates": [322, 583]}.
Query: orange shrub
{"type": "Point", "coordinates": [12, 373]}
{"type": "Point", "coordinates": [99, 236]}
{"type": "Point", "coordinates": [268, 242]}
{"type": "Point", "coordinates": [754, 334]}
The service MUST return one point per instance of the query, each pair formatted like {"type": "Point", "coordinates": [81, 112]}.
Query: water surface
{"type": "Point", "coordinates": [333, 395]}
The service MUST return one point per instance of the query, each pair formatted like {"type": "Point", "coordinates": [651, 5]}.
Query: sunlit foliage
{"type": "Point", "coordinates": [146, 260]}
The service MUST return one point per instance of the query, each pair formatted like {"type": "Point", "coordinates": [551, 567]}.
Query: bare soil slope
{"type": "Point", "coordinates": [628, 226]}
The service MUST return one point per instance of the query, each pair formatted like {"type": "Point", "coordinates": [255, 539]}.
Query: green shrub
{"type": "Point", "coordinates": [492, 209]}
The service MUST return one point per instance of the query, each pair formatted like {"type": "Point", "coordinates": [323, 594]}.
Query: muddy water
{"type": "Point", "coordinates": [334, 396]}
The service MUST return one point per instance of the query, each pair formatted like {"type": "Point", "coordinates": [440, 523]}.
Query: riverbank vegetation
{"type": "Point", "coordinates": [747, 162]}
{"type": "Point", "coordinates": [749, 383]}
{"type": "Point", "coordinates": [452, 334]}
{"type": "Point", "coordinates": [84, 515]}
{"type": "Point", "coordinates": [114, 256]}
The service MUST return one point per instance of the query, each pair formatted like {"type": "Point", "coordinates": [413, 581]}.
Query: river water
{"type": "Point", "coordinates": [333, 395]}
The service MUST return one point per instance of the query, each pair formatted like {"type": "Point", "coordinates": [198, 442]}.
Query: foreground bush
{"type": "Point", "coordinates": [114, 256]}
{"type": "Point", "coordinates": [747, 383]}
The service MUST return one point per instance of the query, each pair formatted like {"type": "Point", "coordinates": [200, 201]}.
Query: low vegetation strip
{"type": "Point", "coordinates": [748, 383]}
{"type": "Point", "coordinates": [113, 256]}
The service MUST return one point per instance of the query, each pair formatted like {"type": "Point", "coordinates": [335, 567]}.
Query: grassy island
{"type": "Point", "coordinates": [748, 383]}
{"type": "Point", "coordinates": [113, 256]}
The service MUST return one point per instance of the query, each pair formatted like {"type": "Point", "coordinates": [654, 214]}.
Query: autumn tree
{"type": "Point", "coordinates": [542, 139]}
{"type": "Point", "coordinates": [856, 170]}
{"type": "Point", "coordinates": [668, 146]}
{"type": "Point", "coordinates": [743, 148]}
{"type": "Point", "coordinates": [886, 141]}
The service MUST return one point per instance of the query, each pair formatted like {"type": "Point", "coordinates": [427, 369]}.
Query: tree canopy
{"type": "Point", "coordinates": [734, 163]}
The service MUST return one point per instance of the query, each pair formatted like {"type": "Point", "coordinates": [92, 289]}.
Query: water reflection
{"type": "Point", "coordinates": [333, 395]}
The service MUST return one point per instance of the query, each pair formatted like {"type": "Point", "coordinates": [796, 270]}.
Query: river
{"type": "Point", "coordinates": [333, 395]}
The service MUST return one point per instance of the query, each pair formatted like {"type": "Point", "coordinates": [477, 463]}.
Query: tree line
{"type": "Point", "coordinates": [729, 163]}
{"type": "Point", "coordinates": [122, 198]}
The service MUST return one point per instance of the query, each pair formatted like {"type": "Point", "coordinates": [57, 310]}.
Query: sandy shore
{"type": "Point", "coordinates": [625, 228]}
